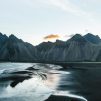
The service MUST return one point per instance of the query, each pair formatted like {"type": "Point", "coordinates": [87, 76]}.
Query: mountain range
{"type": "Point", "coordinates": [14, 49]}
{"type": "Point", "coordinates": [77, 48]}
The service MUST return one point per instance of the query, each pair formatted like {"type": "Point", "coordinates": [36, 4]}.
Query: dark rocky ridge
{"type": "Point", "coordinates": [14, 49]}
{"type": "Point", "coordinates": [77, 48]}
{"type": "Point", "coordinates": [92, 38]}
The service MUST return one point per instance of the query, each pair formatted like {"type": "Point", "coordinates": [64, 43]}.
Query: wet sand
{"type": "Point", "coordinates": [61, 98]}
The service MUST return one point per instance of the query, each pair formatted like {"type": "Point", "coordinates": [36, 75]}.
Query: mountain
{"type": "Point", "coordinates": [14, 49]}
{"type": "Point", "coordinates": [43, 48]}
{"type": "Point", "coordinates": [3, 39]}
{"type": "Point", "coordinates": [77, 48]}
{"type": "Point", "coordinates": [78, 38]}
{"type": "Point", "coordinates": [95, 39]}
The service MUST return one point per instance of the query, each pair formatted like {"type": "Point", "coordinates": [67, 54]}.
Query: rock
{"type": "Point", "coordinates": [31, 68]}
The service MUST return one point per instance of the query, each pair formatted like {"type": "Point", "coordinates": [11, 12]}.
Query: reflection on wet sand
{"type": "Point", "coordinates": [52, 81]}
{"type": "Point", "coordinates": [59, 94]}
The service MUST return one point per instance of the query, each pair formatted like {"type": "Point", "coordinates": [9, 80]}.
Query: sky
{"type": "Point", "coordinates": [35, 21]}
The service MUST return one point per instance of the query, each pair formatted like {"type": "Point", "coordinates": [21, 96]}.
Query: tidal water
{"type": "Point", "coordinates": [45, 82]}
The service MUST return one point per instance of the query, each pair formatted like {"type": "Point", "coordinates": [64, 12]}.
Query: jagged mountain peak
{"type": "Point", "coordinates": [3, 38]}
{"type": "Point", "coordinates": [78, 38]}
{"type": "Point", "coordinates": [91, 35]}
{"type": "Point", "coordinates": [3, 35]}
{"type": "Point", "coordinates": [14, 38]}
{"type": "Point", "coordinates": [95, 39]}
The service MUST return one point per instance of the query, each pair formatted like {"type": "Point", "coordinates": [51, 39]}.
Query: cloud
{"type": "Point", "coordinates": [65, 5]}
{"type": "Point", "coordinates": [51, 36]}
{"type": "Point", "coordinates": [68, 6]}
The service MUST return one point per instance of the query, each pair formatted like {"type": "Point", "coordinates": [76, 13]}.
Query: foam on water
{"type": "Point", "coordinates": [68, 94]}
{"type": "Point", "coordinates": [1, 71]}
{"type": "Point", "coordinates": [32, 88]}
